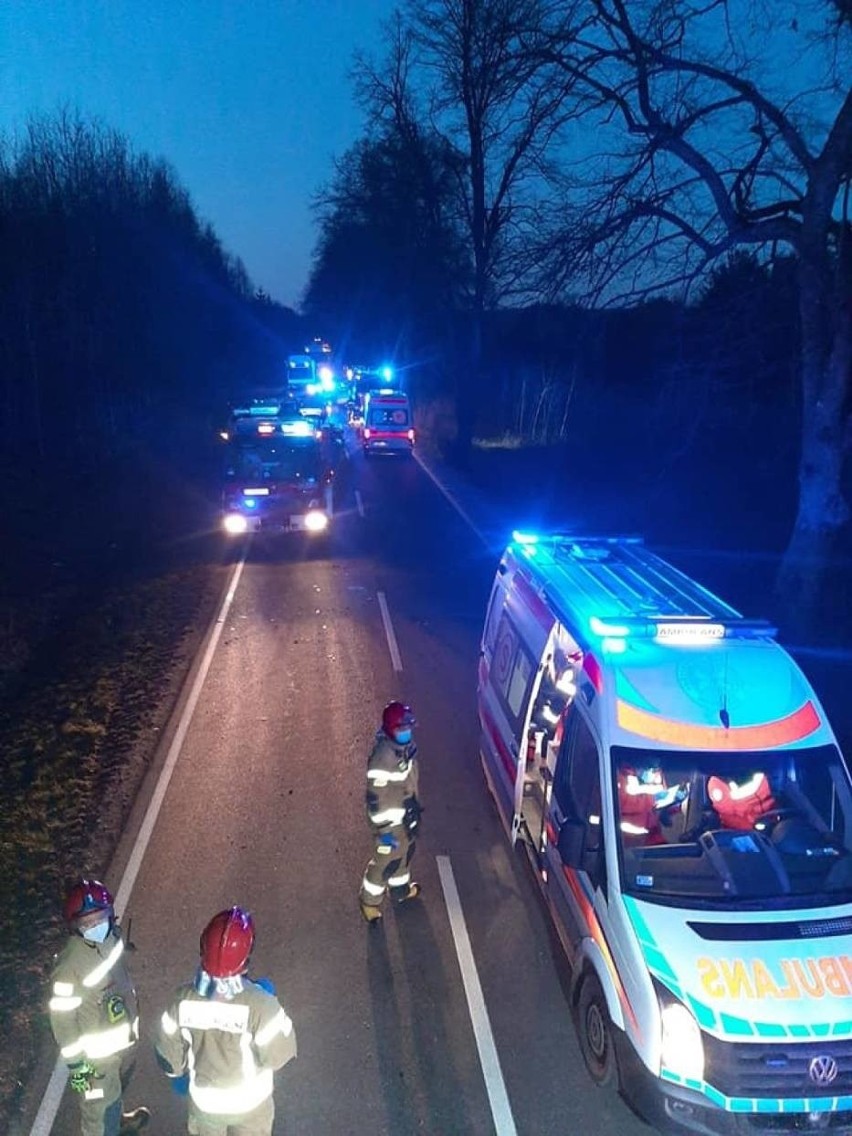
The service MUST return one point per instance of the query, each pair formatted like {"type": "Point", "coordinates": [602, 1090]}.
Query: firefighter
{"type": "Point", "coordinates": [93, 1012]}
{"type": "Point", "coordinates": [224, 1035]}
{"type": "Point", "coordinates": [393, 811]}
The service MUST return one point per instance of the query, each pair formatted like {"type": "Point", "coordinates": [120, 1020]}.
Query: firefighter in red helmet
{"type": "Point", "coordinates": [93, 1012]}
{"type": "Point", "coordinates": [224, 1035]}
{"type": "Point", "coordinates": [393, 812]}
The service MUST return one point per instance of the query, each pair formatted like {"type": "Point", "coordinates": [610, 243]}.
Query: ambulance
{"type": "Point", "coordinates": [387, 427]}
{"type": "Point", "coordinates": [688, 815]}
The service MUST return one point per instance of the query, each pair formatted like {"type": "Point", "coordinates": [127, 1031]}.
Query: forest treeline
{"type": "Point", "coordinates": [123, 320]}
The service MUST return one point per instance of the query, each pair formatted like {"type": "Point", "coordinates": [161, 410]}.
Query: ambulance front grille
{"type": "Point", "coordinates": [776, 1069]}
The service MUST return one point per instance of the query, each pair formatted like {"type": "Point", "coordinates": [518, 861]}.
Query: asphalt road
{"type": "Point", "coordinates": [265, 809]}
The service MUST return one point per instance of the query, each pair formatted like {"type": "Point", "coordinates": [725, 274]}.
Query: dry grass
{"type": "Point", "coordinates": [93, 627]}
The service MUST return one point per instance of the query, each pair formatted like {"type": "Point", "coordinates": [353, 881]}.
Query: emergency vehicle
{"type": "Point", "coordinates": [279, 477]}
{"type": "Point", "coordinates": [688, 814]}
{"type": "Point", "coordinates": [387, 427]}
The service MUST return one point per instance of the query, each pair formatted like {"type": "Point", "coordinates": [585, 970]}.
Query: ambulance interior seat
{"type": "Point", "coordinates": [700, 816]}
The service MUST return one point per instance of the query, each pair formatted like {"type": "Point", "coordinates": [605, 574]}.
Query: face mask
{"type": "Point", "coordinates": [98, 933]}
{"type": "Point", "coordinates": [403, 736]}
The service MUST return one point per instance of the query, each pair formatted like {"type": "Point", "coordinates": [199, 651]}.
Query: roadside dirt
{"type": "Point", "coordinates": [105, 609]}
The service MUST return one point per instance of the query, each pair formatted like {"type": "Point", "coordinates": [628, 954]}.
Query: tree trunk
{"type": "Point", "coordinates": [822, 510]}
{"type": "Point", "coordinates": [467, 389]}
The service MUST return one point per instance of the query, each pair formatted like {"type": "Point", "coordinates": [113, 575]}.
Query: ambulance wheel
{"type": "Point", "coordinates": [595, 1033]}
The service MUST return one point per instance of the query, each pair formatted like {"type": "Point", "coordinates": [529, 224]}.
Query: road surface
{"type": "Point", "coordinates": [264, 808]}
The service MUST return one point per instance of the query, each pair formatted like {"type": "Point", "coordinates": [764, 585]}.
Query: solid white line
{"type": "Point", "coordinates": [465, 516]}
{"type": "Point", "coordinates": [56, 1086]}
{"type": "Point", "coordinates": [359, 501]}
{"type": "Point", "coordinates": [495, 1086]}
{"type": "Point", "coordinates": [389, 634]}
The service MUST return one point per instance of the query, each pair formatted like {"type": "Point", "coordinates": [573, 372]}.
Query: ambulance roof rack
{"type": "Point", "coordinates": [617, 587]}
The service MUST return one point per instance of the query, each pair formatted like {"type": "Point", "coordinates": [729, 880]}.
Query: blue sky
{"type": "Point", "coordinates": [249, 100]}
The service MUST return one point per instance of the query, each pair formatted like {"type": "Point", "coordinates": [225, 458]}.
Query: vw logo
{"type": "Point", "coordinates": [822, 1070]}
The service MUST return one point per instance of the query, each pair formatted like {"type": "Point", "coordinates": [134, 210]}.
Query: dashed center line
{"type": "Point", "coordinates": [390, 634]}
{"type": "Point", "coordinates": [359, 501]}
{"type": "Point", "coordinates": [495, 1086]}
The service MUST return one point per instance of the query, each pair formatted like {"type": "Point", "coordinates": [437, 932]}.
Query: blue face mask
{"type": "Point", "coordinates": [403, 736]}
{"type": "Point", "coordinates": [98, 933]}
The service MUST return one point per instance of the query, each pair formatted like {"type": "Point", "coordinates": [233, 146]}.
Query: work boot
{"type": "Point", "coordinates": [133, 1121]}
{"type": "Point", "coordinates": [411, 892]}
{"type": "Point", "coordinates": [373, 915]}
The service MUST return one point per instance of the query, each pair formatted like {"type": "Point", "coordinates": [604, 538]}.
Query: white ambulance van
{"type": "Point", "coordinates": [388, 426]}
{"type": "Point", "coordinates": [688, 814]}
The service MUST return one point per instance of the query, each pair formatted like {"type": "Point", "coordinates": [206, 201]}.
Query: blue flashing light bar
{"type": "Point", "coordinates": [612, 588]}
{"type": "Point", "coordinates": [602, 628]}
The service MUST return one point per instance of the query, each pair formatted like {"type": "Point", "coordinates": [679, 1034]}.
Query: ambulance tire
{"type": "Point", "coordinates": [594, 1029]}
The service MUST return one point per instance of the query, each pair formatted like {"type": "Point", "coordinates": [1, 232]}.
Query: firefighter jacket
{"type": "Point", "coordinates": [229, 1043]}
{"type": "Point", "coordinates": [391, 781]}
{"type": "Point", "coordinates": [93, 1011]}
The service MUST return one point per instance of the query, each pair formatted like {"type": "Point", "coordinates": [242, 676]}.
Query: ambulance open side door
{"type": "Point", "coordinates": [541, 642]}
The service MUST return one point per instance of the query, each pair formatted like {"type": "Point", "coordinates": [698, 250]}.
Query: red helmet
{"type": "Point", "coordinates": [395, 716]}
{"type": "Point", "coordinates": [227, 942]}
{"type": "Point", "coordinates": [85, 897]}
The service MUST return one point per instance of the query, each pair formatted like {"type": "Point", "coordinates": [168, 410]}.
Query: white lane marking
{"type": "Point", "coordinates": [389, 633]}
{"type": "Point", "coordinates": [359, 501]}
{"type": "Point", "coordinates": [498, 1098]}
{"type": "Point", "coordinates": [462, 512]}
{"type": "Point", "coordinates": [50, 1102]}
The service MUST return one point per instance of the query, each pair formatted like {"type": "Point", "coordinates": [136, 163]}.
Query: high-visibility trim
{"type": "Point", "coordinates": [94, 1094]}
{"type": "Point", "coordinates": [388, 816]}
{"type": "Point", "coordinates": [769, 735]}
{"type": "Point", "coordinates": [373, 889]}
{"type": "Point", "coordinates": [398, 881]}
{"type": "Point", "coordinates": [63, 989]}
{"type": "Point", "coordinates": [102, 970]}
{"type": "Point", "coordinates": [103, 1043]}
{"type": "Point", "coordinates": [168, 1024]}
{"type": "Point", "coordinates": [64, 1005]}
{"type": "Point", "coordinates": [236, 1100]}
{"type": "Point", "coordinates": [281, 1023]}
{"type": "Point", "coordinates": [385, 775]}
{"type": "Point", "coordinates": [228, 1017]}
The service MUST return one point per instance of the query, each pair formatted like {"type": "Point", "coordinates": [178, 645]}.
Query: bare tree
{"type": "Point", "coordinates": [465, 66]}
{"type": "Point", "coordinates": [707, 140]}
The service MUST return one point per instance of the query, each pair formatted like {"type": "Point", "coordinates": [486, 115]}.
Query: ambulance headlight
{"type": "Point", "coordinates": [235, 523]}
{"type": "Point", "coordinates": [682, 1047]}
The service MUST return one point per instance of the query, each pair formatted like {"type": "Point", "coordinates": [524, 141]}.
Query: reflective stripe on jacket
{"type": "Point", "coordinates": [230, 1047]}
{"type": "Point", "coordinates": [391, 780]}
{"type": "Point", "coordinates": [92, 1006]}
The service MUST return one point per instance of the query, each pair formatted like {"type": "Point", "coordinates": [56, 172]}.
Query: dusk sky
{"type": "Point", "coordinates": [249, 101]}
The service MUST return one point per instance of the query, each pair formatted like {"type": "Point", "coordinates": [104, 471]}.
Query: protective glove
{"type": "Point", "coordinates": [388, 840]}
{"type": "Point", "coordinates": [180, 1085]}
{"type": "Point", "coordinates": [81, 1076]}
{"type": "Point", "coordinates": [413, 812]}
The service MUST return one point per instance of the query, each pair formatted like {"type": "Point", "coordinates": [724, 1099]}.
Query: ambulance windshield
{"type": "Point", "coordinates": [708, 828]}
